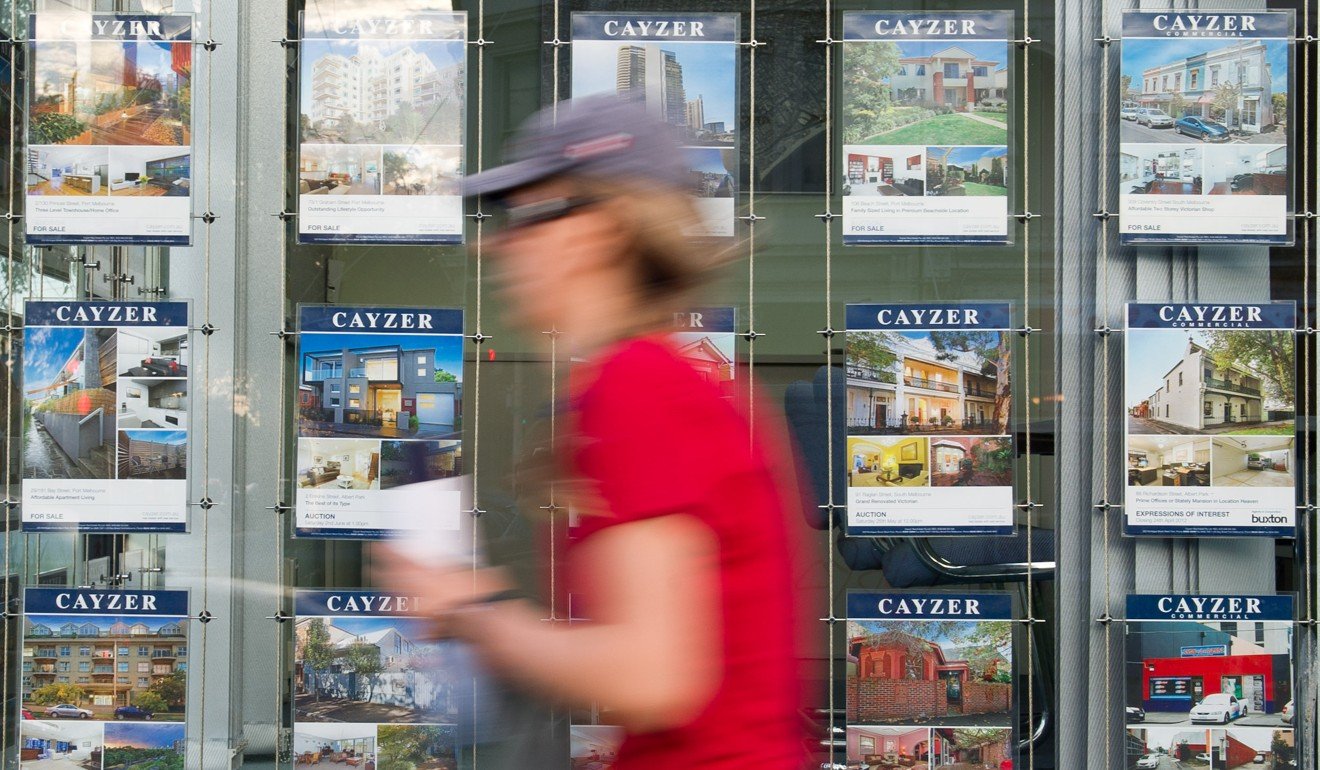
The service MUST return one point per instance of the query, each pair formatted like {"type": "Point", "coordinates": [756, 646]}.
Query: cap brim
{"type": "Point", "coordinates": [510, 176]}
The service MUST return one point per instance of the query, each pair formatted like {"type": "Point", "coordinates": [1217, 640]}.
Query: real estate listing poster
{"type": "Point", "coordinates": [381, 118]}
{"type": "Point", "coordinates": [109, 130]}
{"type": "Point", "coordinates": [929, 403]}
{"type": "Point", "coordinates": [1210, 395]}
{"type": "Point", "coordinates": [105, 678]}
{"type": "Point", "coordinates": [925, 127]}
{"type": "Point", "coordinates": [105, 416]}
{"type": "Point", "coordinates": [379, 405]}
{"type": "Point", "coordinates": [705, 339]}
{"type": "Point", "coordinates": [372, 687]}
{"type": "Point", "coordinates": [930, 680]}
{"type": "Point", "coordinates": [1203, 128]}
{"type": "Point", "coordinates": [1210, 681]}
{"type": "Point", "coordinates": [684, 68]}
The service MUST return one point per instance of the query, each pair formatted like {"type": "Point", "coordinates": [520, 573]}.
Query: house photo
{"type": "Point", "coordinates": [334, 745]}
{"type": "Point", "coordinates": [710, 353]}
{"type": "Point", "coordinates": [68, 171]}
{"type": "Point", "coordinates": [64, 745]}
{"type": "Point", "coordinates": [594, 747]}
{"type": "Point", "coordinates": [971, 748]}
{"type": "Point", "coordinates": [1168, 746]}
{"type": "Point", "coordinates": [149, 172]}
{"type": "Point", "coordinates": [421, 169]}
{"type": "Point", "coordinates": [889, 748]}
{"type": "Point", "coordinates": [1252, 461]}
{"type": "Point", "coordinates": [145, 746]}
{"type": "Point", "coordinates": [976, 171]}
{"type": "Point", "coordinates": [1169, 461]}
{"type": "Point", "coordinates": [1247, 169]}
{"type": "Point", "coordinates": [888, 461]}
{"type": "Point", "coordinates": [338, 463]}
{"type": "Point", "coordinates": [146, 402]}
{"type": "Point", "coordinates": [69, 398]}
{"type": "Point", "coordinates": [153, 454]}
{"type": "Point", "coordinates": [971, 461]}
{"type": "Point", "coordinates": [1153, 169]}
{"type": "Point", "coordinates": [339, 169]}
{"type": "Point", "coordinates": [884, 170]}
{"type": "Point", "coordinates": [1259, 748]}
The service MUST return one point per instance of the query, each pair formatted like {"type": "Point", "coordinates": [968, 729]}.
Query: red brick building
{"type": "Point", "coordinates": [898, 676]}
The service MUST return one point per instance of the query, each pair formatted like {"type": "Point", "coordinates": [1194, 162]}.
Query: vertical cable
{"type": "Point", "coordinates": [1030, 506]}
{"type": "Point", "coordinates": [827, 333]}
{"type": "Point", "coordinates": [478, 337]}
{"type": "Point", "coordinates": [11, 362]}
{"type": "Point", "coordinates": [204, 615]}
{"type": "Point", "coordinates": [752, 218]}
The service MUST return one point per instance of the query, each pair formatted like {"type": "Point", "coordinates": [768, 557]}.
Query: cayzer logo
{"type": "Point", "coordinates": [663, 28]}
{"type": "Point", "coordinates": [105, 602]}
{"type": "Point", "coordinates": [1209, 607]}
{"type": "Point", "coordinates": [124, 28]}
{"type": "Point", "coordinates": [370, 603]}
{"type": "Point", "coordinates": [385, 28]}
{"type": "Point", "coordinates": [1195, 23]}
{"type": "Point", "coordinates": [374, 320]}
{"type": "Point", "coordinates": [915, 606]}
{"type": "Point", "coordinates": [106, 314]}
{"type": "Point", "coordinates": [926, 27]}
{"type": "Point", "coordinates": [1210, 315]}
{"type": "Point", "coordinates": [928, 317]}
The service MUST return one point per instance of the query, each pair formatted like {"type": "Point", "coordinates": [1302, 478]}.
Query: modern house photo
{"type": "Point", "coordinates": [1252, 461]}
{"type": "Point", "coordinates": [145, 746]}
{"type": "Point", "coordinates": [338, 463]}
{"type": "Point", "coordinates": [68, 171]}
{"type": "Point", "coordinates": [422, 747]}
{"type": "Point", "coordinates": [404, 461]}
{"type": "Point", "coordinates": [148, 402]}
{"type": "Point", "coordinates": [1169, 461]}
{"type": "Point", "coordinates": [421, 169]}
{"type": "Point", "coordinates": [888, 748]}
{"type": "Point", "coordinates": [1152, 169]}
{"type": "Point", "coordinates": [339, 169]}
{"type": "Point", "coordinates": [971, 748]}
{"type": "Point", "coordinates": [69, 402]}
{"type": "Point", "coordinates": [150, 351]}
{"type": "Point", "coordinates": [975, 171]}
{"type": "Point", "coordinates": [1247, 169]}
{"type": "Point", "coordinates": [887, 171]}
{"type": "Point", "coordinates": [150, 172]}
{"type": "Point", "coordinates": [971, 461]}
{"type": "Point", "coordinates": [64, 745]}
{"type": "Point", "coordinates": [334, 745]}
{"type": "Point", "coordinates": [153, 454]}
{"type": "Point", "coordinates": [888, 461]}
{"type": "Point", "coordinates": [594, 747]}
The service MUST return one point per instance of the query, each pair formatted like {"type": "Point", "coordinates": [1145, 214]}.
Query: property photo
{"type": "Point", "coordinates": [887, 171]}
{"type": "Point", "coordinates": [882, 461]}
{"type": "Point", "coordinates": [1210, 381]}
{"type": "Point", "coordinates": [1258, 748]}
{"type": "Point", "coordinates": [928, 382]}
{"type": "Point", "coordinates": [971, 748]}
{"type": "Point", "coordinates": [1204, 89]}
{"type": "Point", "coordinates": [68, 171]}
{"type": "Point", "coordinates": [48, 745]}
{"type": "Point", "coordinates": [380, 385]}
{"type": "Point", "coordinates": [926, 92]}
{"type": "Point", "coordinates": [136, 746]}
{"type": "Point", "coordinates": [153, 454]}
{"type": "Point", "coordinates": [954, 672]}
{"type": "Point", "coordinates": [1193, 672]}
{"type": "Point", "coordinates": [105, 667]}
{"type": "Point", "coordinates": [1168, 748]}
{"type": "Point", "coordinates": [692, 86]}
{"type": "Point", "coordinates": [69, 403]}
{"type": "Point", "coordinates": [148, 402]}
{"type": "Point", "coordinates": [338, 169]}
{"type": "Point", "coordinates": [713, 171]}
{"type": "Point", "coordinates": [1252, 461]}
{"type": "Point", "coordinates": [971, 461]}
{"type": "Point", "coordinates": [421, 169]}
{"type": "Point", "coordinates": [149, 172]}
{"type": "Point", "coordinates": [373, 92]}
{"type": "Point", "coordinates": [1251, 169]}
{"type": "Point", "coordinates": [339, 463]}
{"type": "Point", "coordinates": [404, 462]}
{"type": "Point", "coordinates": [334, 745]}
{"type": "Point", "coordinates": [417, 747]}
{"type": "Point", "coordinates": [888, 748]}
{"type": "Point", "coordinates": [135, 92]}
{"type": "Point", "coordinates": [147, 351]}
{"type": "Point", "coordinates": [373, 669]}
{"type": "Point", "coordinates": [978, 171]}
{"type": "Point", "coordinates": [594, 747]}
{"type": "Point", "coordinates": [1153, 169]}
{"type": "Point", "coordinates": [1169, 461]}
{"type": "Point", "coordinates": [710, 353]}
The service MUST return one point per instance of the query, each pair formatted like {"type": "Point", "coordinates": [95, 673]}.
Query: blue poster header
{"type": "Point", "coordinates": [1260, 315]}
{"type": "Point", "coordinates": [383, 24]}
{"type": "Point", "coordinates": [349, 602]}
{"type": "Point", "coordinates": [704, 319]}
{"type": "Point", "coordinates": [940, 315]}
{"type": "Point", "coordinates": [1211, 24]}
{"type": "Point", "coordinates": [929, 606]}
{"type": "Point", "coordinates": [657, 27]}
{"type": "Point", "coordinates": [92, 601]}
{"type": "Point", "coordinates": [1209, 607]}
{"type": "Point", "coordinates": [126, 27]}
{"type": "Point", "coordinates": [927, 25]}
{"type": "Point", "coordinates": [366, 319]}
{"type": "Point", "coordinates": [106, 313]}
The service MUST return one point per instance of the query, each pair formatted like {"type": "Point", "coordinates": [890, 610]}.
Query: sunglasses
{"type": "Point", "coordinates": [540, 212]}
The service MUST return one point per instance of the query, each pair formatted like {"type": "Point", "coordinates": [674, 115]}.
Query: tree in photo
{"type": "Point", "coordinates": [1126, 92]}
{"type": "Point", "coordinates": [1225, 103]}
{"type": "Point", "coordinates": [1178, 105]}
{"type": "Point", "coordinates": [1270, 353]}
{"type": "Point", "coordinates": [317, 654]}
{"type": "Point", "coordinates": [872, 349]}
{"type": "Point", "coordinates": [987, 646]}
{"type": "Point", "coordinates": [150, 701]}
{"type": "Point", "coordinates": [993, 456]}
{"type": "Point", "coordinates": [171, 688]}
{"type": "Point", "coordinates": [55, 694]}
{"type": "Point", "coordinates": [1279, 105]}
{"type": "Point", "coordinates": [971, 737]}
{"type": "Point", "coordinates": [993, 353]}
{"type": "Point", "coordinates": [443, 376]}
{"type": "Point", "coordinates": [408, 747]}
{"type": "Point", "coordinates": [364, 659]}
{"type": "Point", "coordinates": [54, 128]}
{"type": "Point", "coordinates": [869, 108]}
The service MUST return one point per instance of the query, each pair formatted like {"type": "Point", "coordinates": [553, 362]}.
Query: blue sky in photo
{"type": "Point", "coordinates": [159, 436]}
{"type": "Point", "coordinates": [982, 50]}
{"type": "Point", "coordinates": [708, 71]}
{"type": "Point", "coordinates": [157, 60]}
{"type": "Point", "coordinates": [135, 735]}
{"type": "Point", "coordinates": [709, 160]}
{"type": "Point", "coordinates": [961, 155]}
{"type": "Point", "coordinates": [943, 640]}
{"type": "Point", "coordinates": [1140, 55]}
{"type": "Point", "coordinates": [103, 622]}
{"type": "Point", "coordinates": [442, 53]}
{"type": "Point", "coordinates": [1151, 354]}
{"type": "Point", "coordinates": [45, 349]}
{"type": "Point", "coordinates": [448, 347]}
{"type": "Point", "coordinates": [412, 629]}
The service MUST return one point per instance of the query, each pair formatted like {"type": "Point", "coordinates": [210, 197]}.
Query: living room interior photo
{"type": "Point", "coordinates": [879, 461]}
{"type": "Point", "coordinates": [1160, 170]}
{"type": "Point", "coordinates": [150, 171]}
{"type": "Point", "coordinates": [888, 748]}
{"type": "Point", "coordinates": [1253, 461]}
{"type": "Point", "coordinates": [1168, 461]}
{"type": "Point", "coordinates": [338, 463]}
{"type": "Point", "coordinates": [67, 170]}
{"type": "Point", "coordinates": [885, 171]}
{"type": "Point", "coordinates": [330, 745]}
{"type": "Point", "coordinates": [333, 169]}
{"type": "Point", "coordinates": [1247, 169]}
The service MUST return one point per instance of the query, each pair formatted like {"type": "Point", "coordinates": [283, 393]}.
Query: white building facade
{"type": "Point", "coordinates": [1197, 80]}
{"type": "Point", "coordinates": [950, 78]}
{"type": "Point", "coordinates": [1197, 394]}
{"type": "Point", "coordinates": [369, 87]}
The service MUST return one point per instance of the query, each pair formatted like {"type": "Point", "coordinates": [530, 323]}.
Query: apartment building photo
{"type": "Point", "coordinates": [1197, 393]}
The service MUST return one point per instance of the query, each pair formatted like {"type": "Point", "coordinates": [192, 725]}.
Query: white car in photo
{"type": "Point", "coordinates": [1149, 761]}
{"type": "Point", "coordinates": [68, 711]}
{"type": "Point", "coordinates": [1220, 707]}
{"type": "Point", "coordinates": [1286, 716]}
{"type": "Point", "coordinates": [1154, 117]}
{"type": "Point", "coordinates": [1129, 113]}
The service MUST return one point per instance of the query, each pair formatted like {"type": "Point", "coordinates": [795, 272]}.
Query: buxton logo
{"type": "Point", "coordinates": [367, 320]}
{"type": "Point", "coordinates": [1201, 606]}
{"type": "Point", "coordinates": [93, 601]}
{"type": "Point", "coordinates": [663, 28]}
{"type": "Point", "coordinates": [370, 603]}
{"type": "Point", "coordinates": [388, 27]}
{"type": "Point", "coordinates": [931, 27]}
{"type": "Point", "coordinates": [106, 313]}
{"type": "Point", "coordinates": [1194, 22]}
{"type": "Point", "coordinates": [1210, 313]}
{"type": "Point", "coordinates": [955, 316]}
{"type": "Point", "coordinates": [889, 606]}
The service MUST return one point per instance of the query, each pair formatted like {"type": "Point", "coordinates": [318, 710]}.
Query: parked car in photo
{"type": "Point", "coordinates": [68, 710]}
{"type": "Point", "coordinates": [1128, 113]}
{"type": "Point", "coordinates": [1220, 707]}
{"type": "Point", "coordinates": [27, 714]}
{"type": "Point", "coordinates": [1200, 128]}
{"type": "Point", "coordinates": [1149, 761]}
{"type": "Point", "coordinates": [1259, 759]}
{"type": "Point", "coordinates": [1136, 714]}
{"type": "Point", "coordinates": [1203, 758]}
{"type": "Point", "coordinates": [132, 712]}
{"type": "Point", "coordinates": [1286, 716]}
{"type": "Point", "coordinates": [1154, 117]}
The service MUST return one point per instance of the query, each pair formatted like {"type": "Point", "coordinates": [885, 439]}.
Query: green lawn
{"type": "Point", "coordinates": [943, 130]}
{"type": "Point", "coordinates": [1273, 430]}
{"type": "Point", "coordinates": [998, 117]}
{"type": "Point", "coordinates": [984, 190]}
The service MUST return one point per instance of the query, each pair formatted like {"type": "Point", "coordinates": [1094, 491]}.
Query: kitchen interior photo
{"type": "Point", "coordinates": [1168, 461]}
{"type": "Point", "coordinates": [325, 463]}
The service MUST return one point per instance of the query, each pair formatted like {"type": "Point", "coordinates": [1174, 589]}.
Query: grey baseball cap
{"type": "Point", "coordinates": [603, 136]}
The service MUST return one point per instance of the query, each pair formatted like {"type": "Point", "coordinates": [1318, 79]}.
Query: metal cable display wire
{"type": "Point", "coordinates": [478, 337]}
{"type": "Point", "coordinates": [827, 334]}
{"type": "Point", "coordinates": [7, 609]}
{"type": "Point", "coordinates": [1030, 504]}
{"type": "Point", "coordinates": [1104, 324]}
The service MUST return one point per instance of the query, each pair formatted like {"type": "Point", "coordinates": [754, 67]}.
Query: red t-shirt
{"type": "Point", "coordinates": [654, 438]}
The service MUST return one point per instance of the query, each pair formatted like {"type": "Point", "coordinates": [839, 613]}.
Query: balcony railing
{"type": "Point", "coordinates": [921, 382]}
{"type": "Point", "coordinates": [321, 375]}
{"type": "Point", "coordinates": [1237, 387]}
{"type": "Point", "coordinates": [871, 374]}
{"type": "Point", "coordinates": [904, 424]}
{"type": "Point", "coordinates": [977, 390]}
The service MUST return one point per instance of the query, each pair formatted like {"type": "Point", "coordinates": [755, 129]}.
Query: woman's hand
{"type": "Point", "coordinates": [442, 592]}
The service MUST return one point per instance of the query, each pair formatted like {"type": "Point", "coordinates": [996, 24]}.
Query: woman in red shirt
{"type": "Point", "coordinates": [683, 555]}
